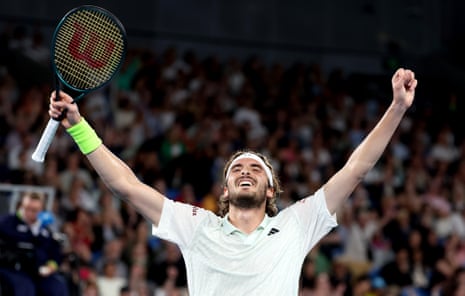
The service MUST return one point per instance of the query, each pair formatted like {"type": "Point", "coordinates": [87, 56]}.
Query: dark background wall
{"type": "Point", "coordinates": [347, 34]}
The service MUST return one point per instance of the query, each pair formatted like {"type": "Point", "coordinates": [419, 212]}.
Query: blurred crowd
{"type": "Point", "coordinates": [176, 117]}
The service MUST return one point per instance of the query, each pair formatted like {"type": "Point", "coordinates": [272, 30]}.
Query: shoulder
{"type": "Point", "coordinates": [9, 218]}
{"type": "Point", "coordinates": [179, 213]}
{"type": "Point", "coordinates": [186, 209]}
{"type": "Point", "coordinates": [315, 200]}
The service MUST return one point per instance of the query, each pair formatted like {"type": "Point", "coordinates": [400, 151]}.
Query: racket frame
{"type": "Point", "coordinates": [50, 130]}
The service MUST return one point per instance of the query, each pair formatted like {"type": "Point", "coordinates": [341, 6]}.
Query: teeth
{"type": "Point", "coordinates": [245, 183]}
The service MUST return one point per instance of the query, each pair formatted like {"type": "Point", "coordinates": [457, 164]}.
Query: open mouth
{"type": "Point", "coordinates": [245, 183]}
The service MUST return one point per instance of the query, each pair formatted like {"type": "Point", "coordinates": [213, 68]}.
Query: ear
{"type": "Point", "coordinates": [270, 192]}
{"type": "Point", "coordinates": [225, 191]}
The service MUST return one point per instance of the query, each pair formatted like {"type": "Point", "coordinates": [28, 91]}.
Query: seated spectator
{"type": "Point", "coordinates": [109, 283]}
{"type": "Point", "coordinates": [73, 171]}
{"type": "Point", "coordinates": [307, 276]}
{"type": "Point", "coordinates": [108, 223]}
{"type": "Point", "coordinates": [455, 285]}
{"type": "Point", "coordinates": [80, 236]}
{"type": "Point", "coordinates": [112, 251]}
{"type": "Point", "coordinates": [90, 289]}
{"type": "Point", "coordinates": [170, 272]}
{"type": "Point", "coordinates": [323, 286]}
{"type": "Point", "coordinates": [397, 271]}
{"type": "Point", "coordinates": [446, 266]}
{"type": "Point", "coordinates": [357, 245]}
{"type": "Point", "coordinates": [362, 285]}
{"type": "Point", "coordinates": [35, 253]}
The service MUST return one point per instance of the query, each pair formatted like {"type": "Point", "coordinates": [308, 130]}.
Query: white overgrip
{"type": "Point", "coordinates": [45, 140]}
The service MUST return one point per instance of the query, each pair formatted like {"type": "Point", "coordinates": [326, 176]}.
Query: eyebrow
{"type": "Point", "coordinates": [254, 165]}
{"type": "Point", "coordinates": [260, 161]}
{"type": "Point", "coordinates": [235, 166]}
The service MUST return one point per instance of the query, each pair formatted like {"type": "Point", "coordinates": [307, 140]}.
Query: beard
{"type": "Point", "coordinates": [248, 200]}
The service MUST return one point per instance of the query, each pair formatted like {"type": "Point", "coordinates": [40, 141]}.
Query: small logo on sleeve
{"type": "Point", "coordinates": [273, 231]}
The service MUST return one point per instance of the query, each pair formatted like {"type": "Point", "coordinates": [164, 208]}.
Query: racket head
{"type": "Point", "coordinates": [88, 48]}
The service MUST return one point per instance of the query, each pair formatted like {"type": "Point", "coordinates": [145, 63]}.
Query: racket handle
{"type": "Point", "coordinates": [45, 140]}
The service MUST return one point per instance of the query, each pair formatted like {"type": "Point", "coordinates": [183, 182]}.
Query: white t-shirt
{"type": "Point", "coordinates": [220, 260]}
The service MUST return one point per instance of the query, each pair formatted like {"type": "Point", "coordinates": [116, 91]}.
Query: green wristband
{"type": "Point", "coordinates": [84, 136]}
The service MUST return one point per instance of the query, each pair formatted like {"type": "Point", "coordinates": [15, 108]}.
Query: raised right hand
{"type": "Point", "coordinates": [65, 102]}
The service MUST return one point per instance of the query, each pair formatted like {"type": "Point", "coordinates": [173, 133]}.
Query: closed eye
{"type": "Point", "coordinates": [257, 168]}
{"type": "Point", "coordinates": [236, 168]}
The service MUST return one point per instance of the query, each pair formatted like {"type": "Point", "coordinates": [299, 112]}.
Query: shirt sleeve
{"type": "Point", "coordinates": [179, 222]}
{"type": "Point", "coordinates": [314, 218]}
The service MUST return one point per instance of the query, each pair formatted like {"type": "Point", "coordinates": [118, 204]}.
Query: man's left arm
{"type": "Point", "coordinates": [365, 156]}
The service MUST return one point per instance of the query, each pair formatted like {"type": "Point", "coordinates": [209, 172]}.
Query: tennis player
{"type": "Point", "coordinates": [252, 249]}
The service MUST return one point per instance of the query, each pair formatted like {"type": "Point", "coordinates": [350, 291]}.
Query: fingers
{"type": "Point", "coordinates": [402, 73]}
{"type": "Point", "coordinates": [62, 97]}
{"type": "Point", "coordinates": [57, 107]}
{"type": "Point", "coordinates": [54, 113]}
{"type": "Point", "coordinates": [66, 103]}
{"type": "Point", "coordinates": [412, 84]}
{"type": "Point", "coordinates": [404, 77]}
{"type": "Point", "coordinates": [409, 79]}
{"type": "Point", "coordinates": [409, 76]}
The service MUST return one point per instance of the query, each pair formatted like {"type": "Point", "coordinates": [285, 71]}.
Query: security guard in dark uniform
{"type": "Point", "coordinates": [29, 253]}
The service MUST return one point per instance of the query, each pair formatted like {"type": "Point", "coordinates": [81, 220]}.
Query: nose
{"type": "Point", "coordinates": [245, 172]}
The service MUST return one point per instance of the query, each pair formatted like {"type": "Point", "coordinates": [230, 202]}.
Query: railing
{"type": "Point", "coordinates": [13, 192]}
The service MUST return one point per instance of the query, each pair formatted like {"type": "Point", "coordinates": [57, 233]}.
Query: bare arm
{"type": "Point", "coordinates": [365, 156]}
{"type": "Point", "coordinates": [117, 176]}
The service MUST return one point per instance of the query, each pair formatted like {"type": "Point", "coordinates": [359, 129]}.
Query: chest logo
{"type": "Point", "coordinates": [273, 231]}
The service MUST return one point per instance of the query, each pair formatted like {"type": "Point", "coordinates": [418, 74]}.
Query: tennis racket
{"type": "Point", "coordinates": [88, 48]}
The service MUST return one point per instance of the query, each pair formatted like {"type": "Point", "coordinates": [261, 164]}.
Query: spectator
{"type": "Point", "coordinates": [362, 285]}
{"type": "Point", "coordinates": [455, 285]}
{"type": "Point", "coordinates": [36, 253]}
{"type": "Point", "coordinates": [443, 150]}
{"type": "Point", "coordinates": [78, 229]}
{"type": "Point", "coordinates": [113, 252]}
{"type": "Point", "coordinates": [169, 272]}
{"type": "Point", "coordinates": [357, 246]}
{"type": "Point", "coordinates": [90, 289]}
{"type": "Point", "coordinates": [74, 171]}
{"type": "Point", "coordinates": [308, 276]}
{"type": "Point", "coordinates": [108, 223]}
{"type": "Point", "coordinates": [211, 199]}
{"type": "Point", "coordinates": [109, 283]}
{"type": "Point", "coordinates": [397, 272]}
{"type": "Point", "coordinates": [303, 101]}
{"type": "Point", "coordinates": [78, 197]}
{"type": "Point", "coordinates": [138, 283]}
{"type": "Point", "coordinates": [37, 50]}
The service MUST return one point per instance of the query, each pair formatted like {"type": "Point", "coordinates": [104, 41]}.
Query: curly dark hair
{"type": "Point", "coordinates": [271, 208]}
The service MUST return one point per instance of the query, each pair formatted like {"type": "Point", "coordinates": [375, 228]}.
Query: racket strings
{"type": "Point", "coordinates": [88, 49]}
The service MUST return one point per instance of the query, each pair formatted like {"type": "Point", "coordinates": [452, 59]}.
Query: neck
{"type": "Point", "coordinates": [246, 220]}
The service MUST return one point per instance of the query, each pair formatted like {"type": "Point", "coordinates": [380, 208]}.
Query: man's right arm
{"type": "Point", "coordinates": [117, 176]}
{"type": "Point", "coordinates": [122, 181]}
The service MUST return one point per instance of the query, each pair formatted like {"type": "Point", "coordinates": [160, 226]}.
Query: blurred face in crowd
{"type": "Point", "coordinates": [30, 209]}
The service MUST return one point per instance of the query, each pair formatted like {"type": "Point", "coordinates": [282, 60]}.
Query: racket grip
{"type": "Point", "coordinates": [45, 140]}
